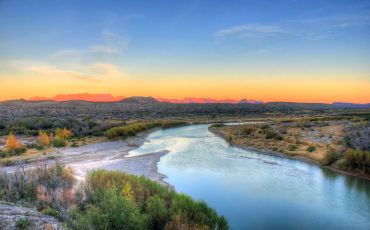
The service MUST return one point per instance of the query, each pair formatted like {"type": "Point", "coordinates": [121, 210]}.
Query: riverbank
{"type": "Point", "coordinates": [222, 135]}
{"type": "Point", "coordinates": [110, 155]}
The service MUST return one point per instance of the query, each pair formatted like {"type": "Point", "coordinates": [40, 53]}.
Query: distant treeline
{"type": "Point", "coordinates": [32, 126]}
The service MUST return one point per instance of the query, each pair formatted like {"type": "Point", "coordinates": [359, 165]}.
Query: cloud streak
{"type": "Point", "coordinates": [251, 31]}
{"type": "Point", "coordinates": [315, 28]}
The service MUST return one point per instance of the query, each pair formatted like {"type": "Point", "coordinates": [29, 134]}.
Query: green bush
{"type": "Point", "coordinates": [311, 149]}
{"type": "Point", "coordinates": [135, 128]}
{"type": "Point", "coordinates": [22, 224]}
{"type": "Point", "coordinates": [331, 157]}
{"type": "Point", "coordinates": [358, 159]}
{"type": "Point", "coordinates": [15, 152]}
{"type": "Point", "coordinates": [270, 133]}
{"type": "Point", "coordinates": [59, 142]}
{"type": "Point", "coordinates": [2, 154]}
{"type": "Point", "coordinates": [279, 137]}
{"type": "Point", "coordinates": [218, 125]}
{"type": "Point", "coordinates": [51, 212]}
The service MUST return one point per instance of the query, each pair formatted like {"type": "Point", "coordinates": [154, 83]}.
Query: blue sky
{"type": "Point", "coordinates": [206, 40]}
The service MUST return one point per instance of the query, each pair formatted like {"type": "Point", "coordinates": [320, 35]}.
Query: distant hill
{"type": "Point", "coordinates": [110, 98]}
{"type": "Point", "coordinates": [351, 105]}
{"type": "Point", "coordinates": [151, 108]}
{"type": "Point", "coordinates": [80, 97]}
{"type": "Point", "coordinates": [140, 100]}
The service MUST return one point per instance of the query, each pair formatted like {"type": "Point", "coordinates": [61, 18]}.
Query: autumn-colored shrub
{"type": "Point", "coordinates": [43, 139]}
{"type": "Point", "coordinates": [12, 143]}
{"type": "Point", "coordinates": [66, 133]}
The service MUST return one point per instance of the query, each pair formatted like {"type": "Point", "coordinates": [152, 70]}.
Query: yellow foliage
{"type": "Point", "coordinates": [51, 137]}
{"type": "Point", "coordinates": [66, 133]}
{"type": "Point", "coordinates": [127, 190]}
{"type": "Point", "coordinates": [59, 133]}
{"type": "Point", "coordinates": [43, 139]}
{"type": "Point", "coordinates": [63, 133]}
{"type": "Point", "coordinates": [12, 143]}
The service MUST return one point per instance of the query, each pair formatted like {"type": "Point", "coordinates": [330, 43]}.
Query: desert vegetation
{"type": "Point", "coordinates": [107, 200]}
{"type": "Point", "coordinates": [341, 141]}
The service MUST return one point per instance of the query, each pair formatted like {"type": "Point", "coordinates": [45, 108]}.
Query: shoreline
{"type": "Point", "coordinates": [299, 158]}
{"type": "Point", "coordinates": [108, 155]}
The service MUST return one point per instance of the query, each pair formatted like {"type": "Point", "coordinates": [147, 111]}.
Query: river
{"type": "Point", "coordinates": [258, 191]}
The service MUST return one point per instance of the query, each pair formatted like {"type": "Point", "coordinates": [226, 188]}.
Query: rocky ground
{"type": "Point", "coordinates": [14, 217]}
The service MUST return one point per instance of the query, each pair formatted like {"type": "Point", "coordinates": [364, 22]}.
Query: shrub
{"type": "Point", "coordinates": [74, 144]}
{"type": "Point", "coordinates": [51, 212]}
{"type": "Point", "coordinates": [134, 128]}
{"type": "Point", "coordinates": [358, 137]}
{"type": "Point", "coordinates": [16, 152]}
{"type": "Point", "coordinates": [358, 159]}
{"type": "Point", "coordinates": [12, 143]}
{"type": "Point", "coordinates": [311, 148]}
{"type": "Point", "coordinates": [331, 157]}
{"type": "Point", "coordinates": [292, 147]}
{"type": "Point", "coordinates": [270, 133]}
{"type": "Point", "coordinates": [66, 133]}
{"type": "Point", "coordinates": [148, 205]}
{"type": "Point", "coordinates": [248, 129]}
{"type": "Point", "coordinates": [43, 139]}
{"type": "Point", "coordinates": [218, 125]}
{"type": "Point", "coordinates": [59, 142]}
{"type": "Point", "coordinates": [2, 154]}
{"type": "Point", "coordinates": [22, 224]}
{"type": "Point", "coordinates": [48, 186]}
{"type": "Point", "coordinates": [279, 137]}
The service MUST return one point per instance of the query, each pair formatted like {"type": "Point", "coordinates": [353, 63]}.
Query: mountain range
{"type": "Point", "coordinates": [110, 98]}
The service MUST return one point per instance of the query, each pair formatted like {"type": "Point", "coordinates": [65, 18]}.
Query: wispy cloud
{"type": "Point", "coordinates": [251, 31]}
{"type": "Point", "coordinates": [314, 28]}
{"type": "Point", "coordinates": [47, 70]}
{"type": "Point", "coordinates": [110, 45]}
{"type": "Point", "coordinates": [93, 73]}
{"type": "Point", "coordinates": [104, 49]}
{"type": "Point", "coordinates": [67, 53]}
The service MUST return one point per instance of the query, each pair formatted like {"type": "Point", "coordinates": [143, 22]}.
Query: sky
{"type": "Point", "coordinates": [286, 50]}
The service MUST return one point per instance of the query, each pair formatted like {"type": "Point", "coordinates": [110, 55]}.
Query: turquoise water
{"type": "Point", "coordinates": [257, 191]}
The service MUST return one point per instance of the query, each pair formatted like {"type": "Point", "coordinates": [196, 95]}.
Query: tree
{"type": "Point", "coordinates": [12, 143]}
